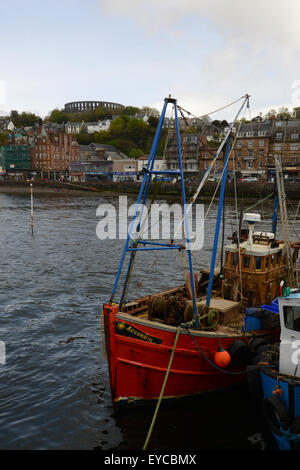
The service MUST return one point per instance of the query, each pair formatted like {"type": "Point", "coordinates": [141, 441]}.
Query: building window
{"type": "Point", "coordinates": [294, 158]}
{"type": "Point", "coordinates": [261, 143]}
{"type": "Point", "coordinates": [294, 147]}
{"type": "Point", "coordinates": [250, 143]}
{"type": "Point", "coordinates": [294, 136]}
{"type": "Point", "coordinates": [239, 143]}
{"type": "Point", "coordinates": [277, 147]}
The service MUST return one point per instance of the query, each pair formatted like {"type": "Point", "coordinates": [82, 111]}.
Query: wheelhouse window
{"type": "Point", "coordinates": [291, 317]}
{"type": "Point", "coordinates": [246, 262]}
{"type": "Point", "coordinates": [266, 262]}
{"type": "Point", "coordinates": [234, 259]}
{"type": "Point", "coordinates": [258, 263]}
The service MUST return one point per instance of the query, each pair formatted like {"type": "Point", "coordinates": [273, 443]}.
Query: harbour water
{"type": "Point", "coordinates": [54, 386]}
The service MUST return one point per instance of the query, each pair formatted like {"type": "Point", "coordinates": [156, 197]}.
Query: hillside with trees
{"type": "Point", "coordinates": [129, 134]}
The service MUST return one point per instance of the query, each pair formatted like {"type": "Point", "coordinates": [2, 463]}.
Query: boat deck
{"type": "Point", "coordinates": [157, 310]}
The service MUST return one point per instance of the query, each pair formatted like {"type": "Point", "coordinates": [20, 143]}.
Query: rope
{"type": "Point", "coordinates": [162, 390]}
{"type": "Point", "coordinates": [208, 360]}
{"type": "Point", "coordinates": [212, 112]}
{"type": "Point", "coordinates": [259, 202]}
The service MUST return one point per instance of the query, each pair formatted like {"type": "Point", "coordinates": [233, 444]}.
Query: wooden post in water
{"type": "Point", "coordinates": [31, 211]}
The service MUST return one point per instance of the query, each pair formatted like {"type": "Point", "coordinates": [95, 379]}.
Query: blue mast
{"type": "Point", "coordinates": [217, 229]}
{"type": "Point", "coordinates": [133, 247]}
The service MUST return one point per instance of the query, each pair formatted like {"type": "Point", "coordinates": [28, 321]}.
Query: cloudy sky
{"type": "Point", "coordinates": [206, 53]}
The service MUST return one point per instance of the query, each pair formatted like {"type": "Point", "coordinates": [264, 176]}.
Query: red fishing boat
{"type": "Point", "coordinates": [200, 336]}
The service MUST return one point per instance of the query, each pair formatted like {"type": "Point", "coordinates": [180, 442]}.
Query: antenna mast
{"type": "Point", "coordinates": [284, 219]}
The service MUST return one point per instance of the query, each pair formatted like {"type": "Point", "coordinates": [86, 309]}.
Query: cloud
{"type": "Point", "coordinates": [268, 20]}
{"type": "Point", "coordinates": [250, 46]}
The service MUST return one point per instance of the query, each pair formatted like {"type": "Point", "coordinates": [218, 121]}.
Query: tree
{"type": "Point", "coordinates": [130, 110]}
{"type": "Point", "coordinates": [124, 145]}
{"type": "Point", "coordinates": [23, 120]}
{"type": "Point", "coordinates": [220, 124]}
{"type": "Point", "coordinates": [150, 111]}
{"type": "Point", "coordinates": [297, 113]}
{"type": "Point", "coordinates": [136, 153]}
{"type": "Point", "coordinates": [84, 139]}
{"type": "Point", "coordinates": [137, 130]}
{"type": "Point", "coordinates": [153, 121]}
{"type": "Point", "coordinates": [58, 115]}
{"type": "Point", "coordinates": [270, 114]}
{"type": "Point", "coordinates": [3, 139]}
{"type": "Point", "coordinates": [101, 137]}
{"type": "Point", "coordinates": [284, 112]}
{"type": "Point", "coordinates": [118, 126]}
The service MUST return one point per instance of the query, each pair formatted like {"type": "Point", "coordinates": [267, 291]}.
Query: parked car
{"type": "Point", "coordinates": [250, 179]}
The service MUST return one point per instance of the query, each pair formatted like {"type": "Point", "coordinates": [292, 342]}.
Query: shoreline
{"type": "Point", "coordinates": [24, 191]}
{"type": "Point", "coordinates": [63, 191]}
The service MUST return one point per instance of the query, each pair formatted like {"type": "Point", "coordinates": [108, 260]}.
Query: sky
{"type": "Point", "coordinates": [205, 53]}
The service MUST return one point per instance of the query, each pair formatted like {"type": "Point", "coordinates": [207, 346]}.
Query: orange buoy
{"type": "Point", "coordinates": [222, 358]}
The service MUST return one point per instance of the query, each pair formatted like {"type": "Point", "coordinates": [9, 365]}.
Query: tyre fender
{"type": "Point", "coordinates": [276, 414]}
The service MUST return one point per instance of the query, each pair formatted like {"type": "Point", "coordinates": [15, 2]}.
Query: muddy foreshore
{"type": "Point", "coordinates": [244, 191]}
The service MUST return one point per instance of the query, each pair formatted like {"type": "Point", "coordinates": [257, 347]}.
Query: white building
{"type": "Point", "coordinates": [74, 127]}
{"type": "Point", "coordinates": [89, 127]}
{"type": "Point", "coordinates": [159, 165]}
{"type": "Point", "coordinates": [92, 127]}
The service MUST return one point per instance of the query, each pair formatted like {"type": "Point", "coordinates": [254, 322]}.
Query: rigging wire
{"type": "Point", "coordinates": [236, 210]}
{"type": "Point", "coordinates": [213, 112]}
{"type": "Point", "coordinates": [141, 231]}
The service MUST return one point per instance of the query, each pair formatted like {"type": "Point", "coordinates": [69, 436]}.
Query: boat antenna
{"type": "Point", "coordinates": [284, 218]}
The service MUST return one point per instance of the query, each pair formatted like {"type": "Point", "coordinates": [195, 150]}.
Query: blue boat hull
{"type": "Point", "coordinates": [290, 397]}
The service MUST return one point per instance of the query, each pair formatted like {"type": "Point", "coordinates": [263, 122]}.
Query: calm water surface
{"type": "Point", "coordinates": [54, 387]}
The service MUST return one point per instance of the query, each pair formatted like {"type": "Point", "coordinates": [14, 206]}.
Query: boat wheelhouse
{"type": "Point", "coordinates": [254, 269]}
